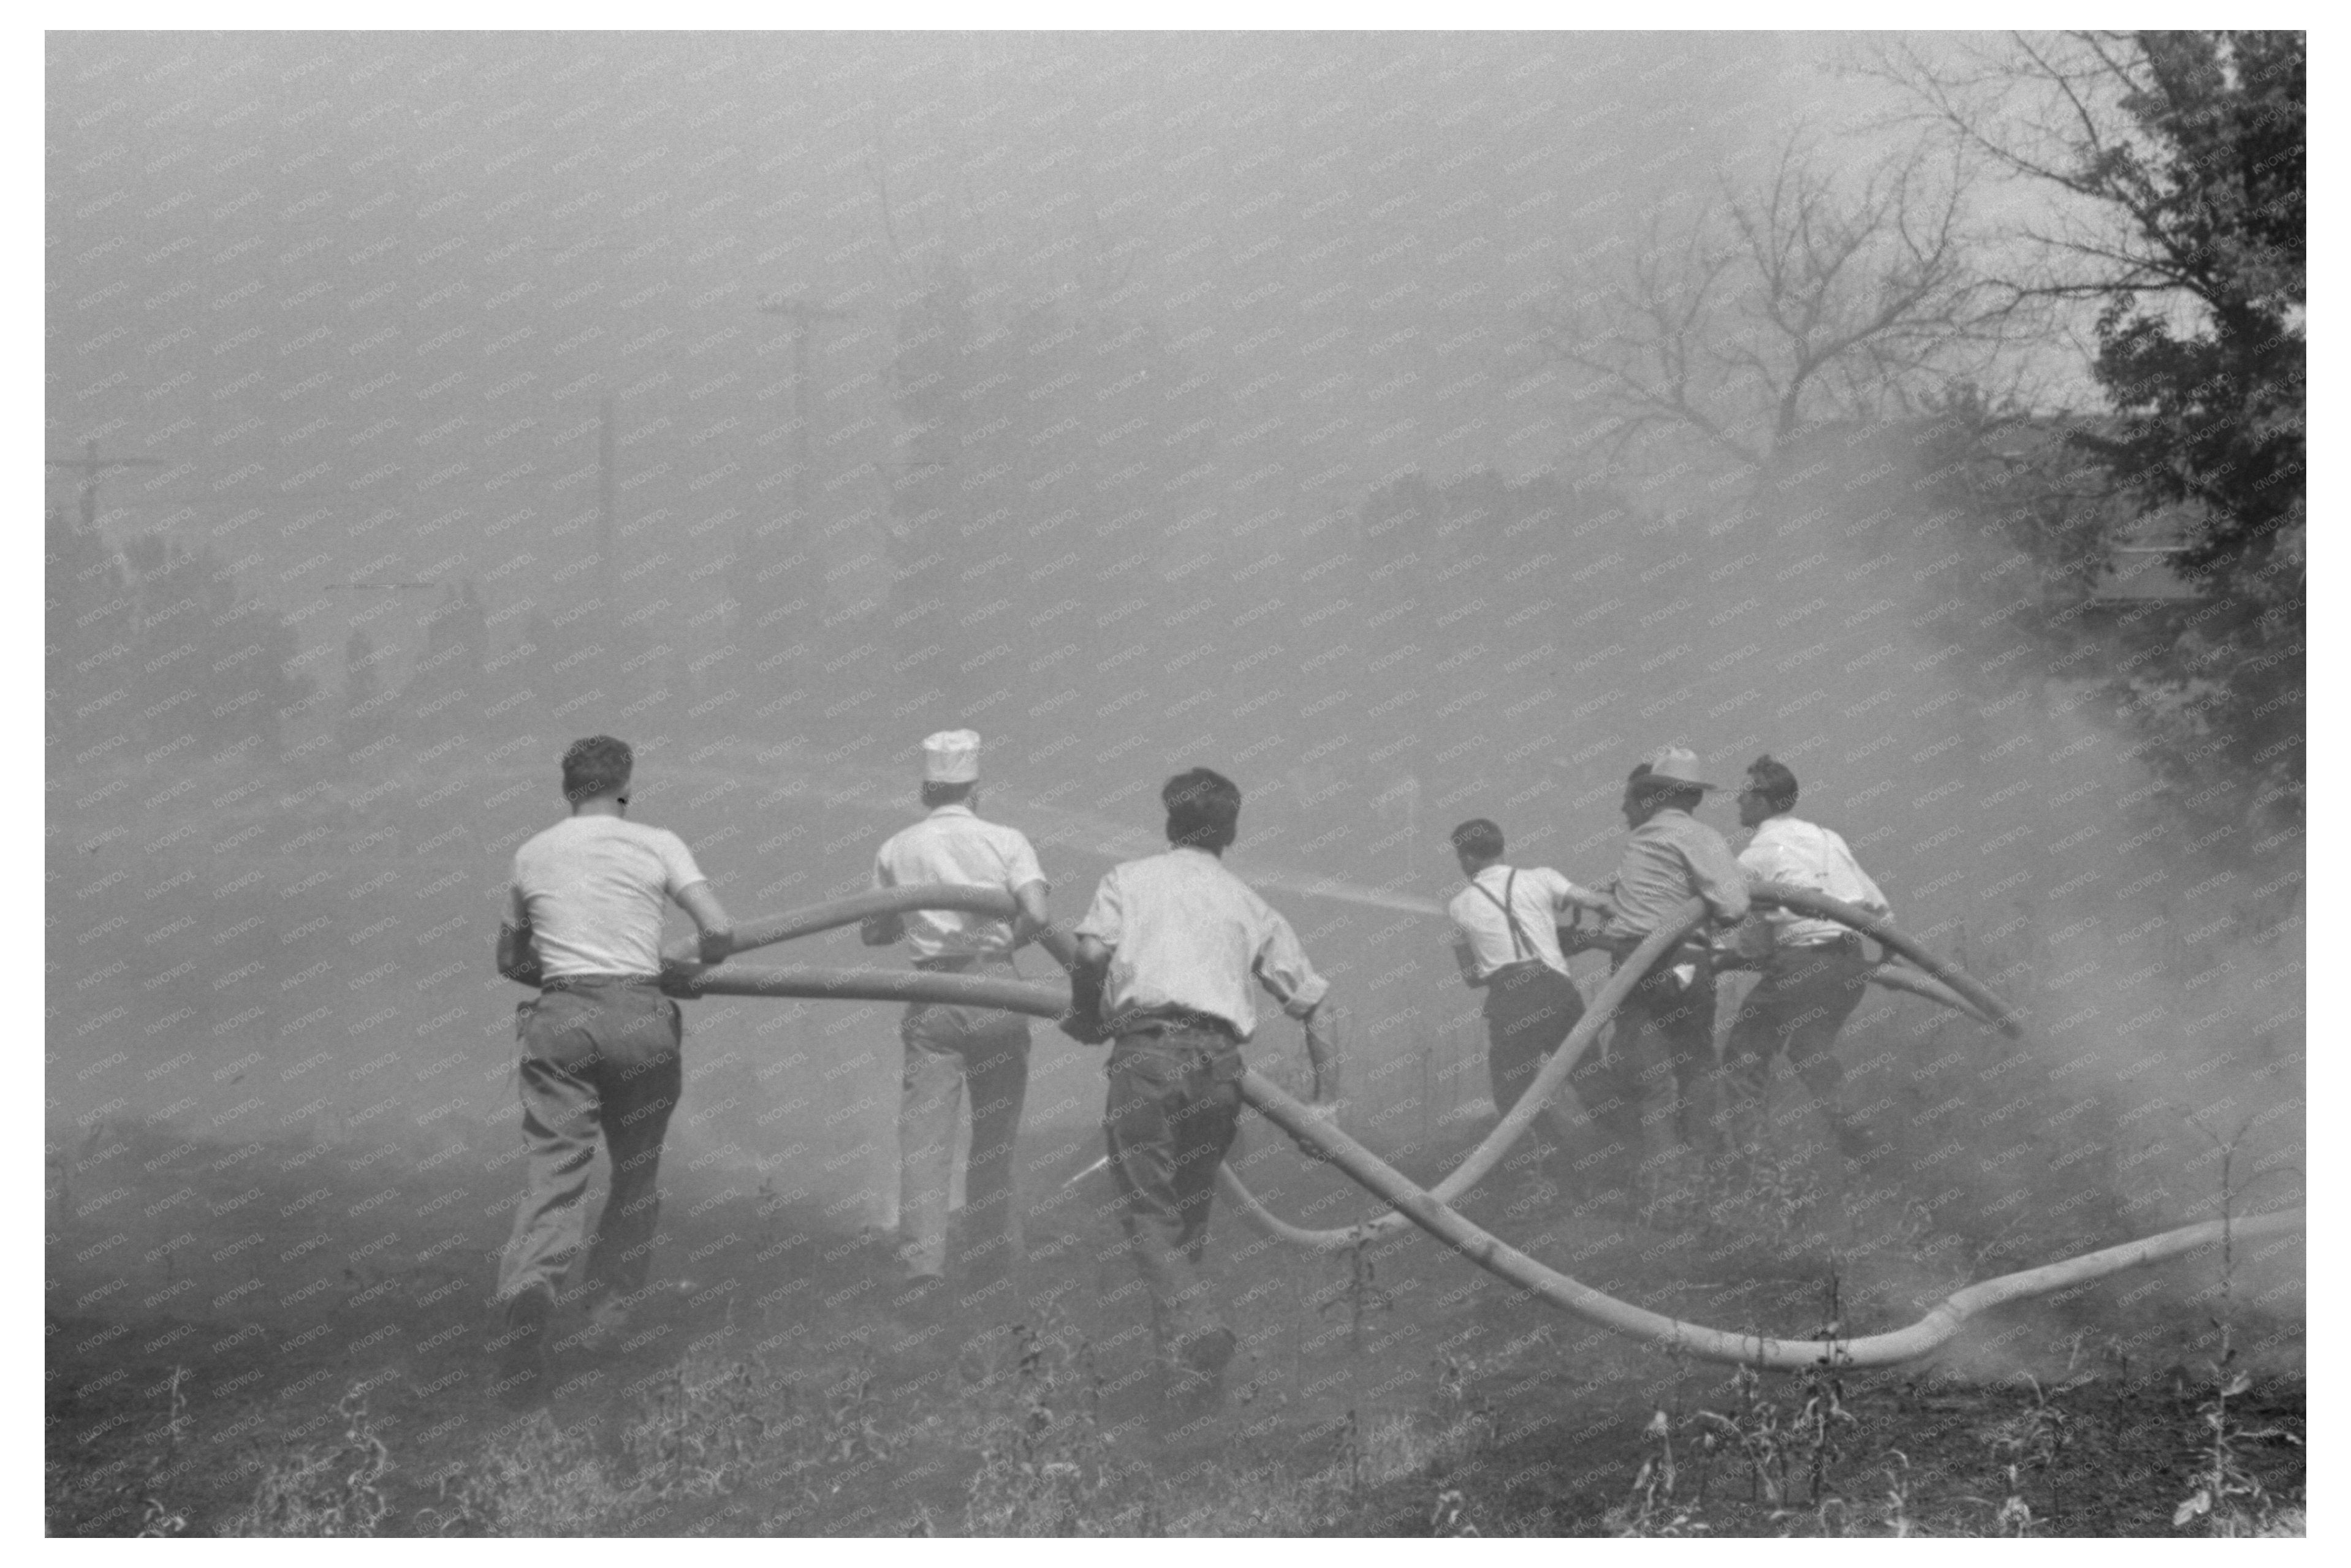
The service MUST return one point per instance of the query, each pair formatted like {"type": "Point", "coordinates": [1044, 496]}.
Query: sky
{"type": "Point", "coordinates": [380, 282]}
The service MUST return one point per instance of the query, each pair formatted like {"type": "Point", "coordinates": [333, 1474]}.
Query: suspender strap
{"type": "Point", "coordinates": [1522, 946]}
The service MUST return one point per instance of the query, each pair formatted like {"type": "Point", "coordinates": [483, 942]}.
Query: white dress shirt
{"type": "Point", "coordinates": [1804, 854]}
{"type": "Point", "coordinates": [953, 846]}
{"type": "Point", "coordinates": [1184, 931]}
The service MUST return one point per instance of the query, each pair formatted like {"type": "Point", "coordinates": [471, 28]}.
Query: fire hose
{"type": "Point", "coordinates": [1976, 999]}
{"type": "Point", "coordinates": [1931, 983]}
{"type": "Point", "coordinates": [1430, 1210]}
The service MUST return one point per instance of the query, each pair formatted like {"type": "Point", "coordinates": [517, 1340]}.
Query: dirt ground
{"type": "Point", "coordinates": [770, 1389]}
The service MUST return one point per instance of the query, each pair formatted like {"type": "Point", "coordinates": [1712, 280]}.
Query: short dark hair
{"type": "Point", "coordinates": [936, 794]}
{"type": "Point", "coordinates": [1771, 779]}
{"type": "Point", "coordinates": [1480, 838]}
{"type": "Point", "coordinates": [1204, 809]}
{"type": "Point", "coordinates": [596, 765]}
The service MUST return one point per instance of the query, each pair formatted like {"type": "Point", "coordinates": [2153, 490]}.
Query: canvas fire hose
{"type": "Point", "coordinates": [1431, 1208]}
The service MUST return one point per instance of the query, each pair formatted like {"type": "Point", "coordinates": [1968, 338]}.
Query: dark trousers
{"type": "Point", "coordinates": [1802, 998]}
{"type": "Point", "coordinates": [1530, 1009]}
{"type": "Point", "coordinates": [1662, 1068]}
{"type": "Point", "coordinates": [948, 1050]}
{"type": "Point", "coordinates": [1174, 1102]}
{"type": "Point", "coordinates": [597, 1060]}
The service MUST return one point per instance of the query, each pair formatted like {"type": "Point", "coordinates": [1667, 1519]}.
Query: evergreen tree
{"type": "Point", "coordinates": [155, 653]}
{"type": "Point", "coordinates": [2182, 156]}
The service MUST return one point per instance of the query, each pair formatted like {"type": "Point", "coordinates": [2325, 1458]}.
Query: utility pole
{"type": "Point", "coordinates": [804, 318]}
{"type": "Point", "coordinates": [604, 533]}
{"type": "Point", "coordinates": [91, 466]}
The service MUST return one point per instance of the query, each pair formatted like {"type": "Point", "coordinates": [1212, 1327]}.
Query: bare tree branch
{"type": "Point", "coordinates": [1800, 301]}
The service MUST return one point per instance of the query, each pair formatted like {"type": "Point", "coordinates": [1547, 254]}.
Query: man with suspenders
{"type": "Point", "coordinates": [1506, 941]}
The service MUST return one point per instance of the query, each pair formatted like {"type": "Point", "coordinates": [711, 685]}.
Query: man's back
{"type": "Point", "coordinates": [1789, 850]}
{"type": "Point", "coordinates": [1536, 895]}
{"type": "Point", "coordinates": [1671, 858]}
{"type": "Point", "coordinates": [593, 889]}
{"type": "Point", "coordinates": [1185, 932]}
{"type": "Point", "coordinates": [955, 846]}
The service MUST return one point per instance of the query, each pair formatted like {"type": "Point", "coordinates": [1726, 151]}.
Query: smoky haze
{"type": "Point", "coordinates": [1137, 402]}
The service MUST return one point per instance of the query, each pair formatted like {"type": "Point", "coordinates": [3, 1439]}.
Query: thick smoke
{"type": "Point", "coordinates": [1149, 407]}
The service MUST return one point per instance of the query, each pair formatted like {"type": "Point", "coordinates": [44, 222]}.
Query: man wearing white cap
{"type": "Point", "coordinates": [1663, 1053]}
{"type": "Point", "coordinates": [950, 1048]}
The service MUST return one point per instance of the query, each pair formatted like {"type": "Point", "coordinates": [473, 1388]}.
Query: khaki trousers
{"type": "Point", "coordinates": [598, 1060]}
{"type": "Point", "coordinates": [950, 1050]}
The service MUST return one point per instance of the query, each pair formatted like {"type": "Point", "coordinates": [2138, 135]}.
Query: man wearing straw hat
{"type": "Point", "coordinates": [951, 1049]}
{"type": "Point", "coordinates": [1663, 1053]}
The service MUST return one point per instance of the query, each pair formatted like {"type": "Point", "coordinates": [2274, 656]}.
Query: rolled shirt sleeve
{"type": "Point", "coordinates": [1763, 861]}
{"type": "Point", "coordinates": [1756, 936]}
{"type": "Point", "coordinates": [1105, 919]}
{"type": "Point", "coordinates": [1282, 970]}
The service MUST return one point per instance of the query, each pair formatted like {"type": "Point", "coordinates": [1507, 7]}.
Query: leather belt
{"type": "Point", "coordinates": [1159, 1021]}
{"type": "Point", "coordinates": [591, 982]}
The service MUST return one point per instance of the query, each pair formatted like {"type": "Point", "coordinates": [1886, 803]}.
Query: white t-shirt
{"type": "Point", "coordinates": [592, 890]}
{"type": "Point", "coordinates": [1539, 897]}
{"type": "Point", "coordinates": [953, 846]}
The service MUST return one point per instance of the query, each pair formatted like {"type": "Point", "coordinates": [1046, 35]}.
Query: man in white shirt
{"type": "Point", "coordinates": [1179, 939]}
{"type": "Point", "coordinates": [1506, 940]}
{"type": "Point", "coordinates": [950, 1048]}
{"type": "Point", "coordinates": [1811, 972]}
{"type": "Point", "coordinates": [599, 1045]}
